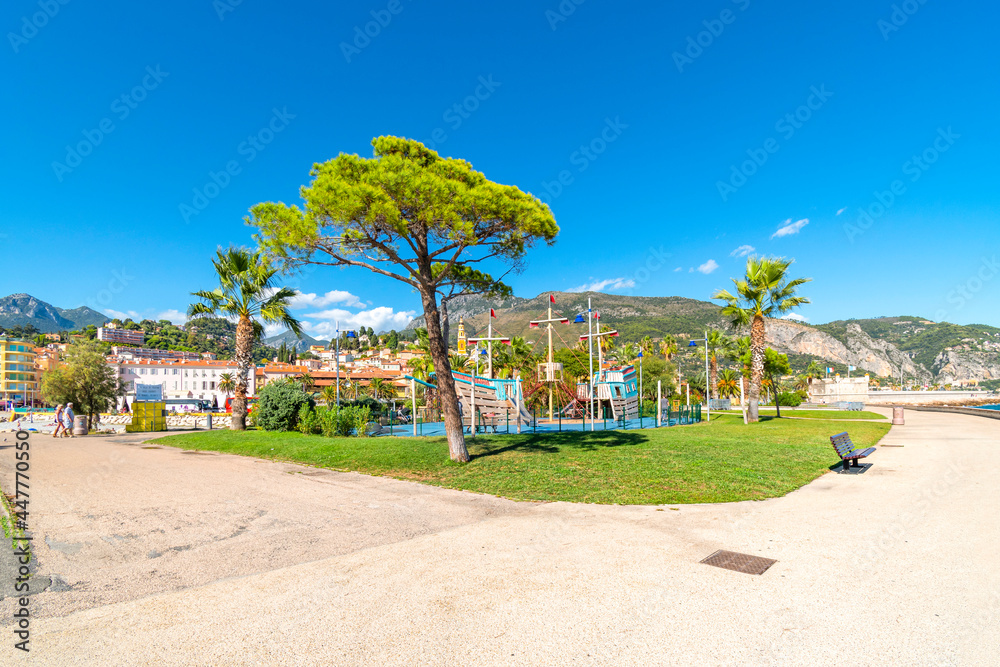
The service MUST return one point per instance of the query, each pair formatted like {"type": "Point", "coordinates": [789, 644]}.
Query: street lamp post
{"type": "Point", "coordinates": [708, 406]}
{"type": "Point", "coordinates": [640, 383]}
{"type": "Point", "coordinates": [337, 361]}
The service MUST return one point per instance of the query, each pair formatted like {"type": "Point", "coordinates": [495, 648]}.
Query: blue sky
{"type": "Point", "coordinates": [685, 134]}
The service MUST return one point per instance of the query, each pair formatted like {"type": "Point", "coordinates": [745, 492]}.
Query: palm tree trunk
{"type": "Point", "coordinates": [445, 381]}
{"type": "Point", "coordinates": [774, 390]}
{"type": "Point", "coordinates": [713, 371]}
{"type": "Point", "coordinates": [244, 348]}
{"type": "Point", "coordinates": [757, 344]}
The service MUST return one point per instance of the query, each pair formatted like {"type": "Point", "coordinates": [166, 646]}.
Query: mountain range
{"type": "Point", "coordinates": [884, 346]}
{"type": "Point", "coordinates": [24, 309]}
{"type": "Point", "coordinates": [299, 343]}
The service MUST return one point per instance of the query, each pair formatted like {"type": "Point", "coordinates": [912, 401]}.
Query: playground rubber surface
{"type": "Point", "coordinates": [175, 558]}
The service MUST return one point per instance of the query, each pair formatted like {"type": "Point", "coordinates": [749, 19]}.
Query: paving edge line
{"type": "Point", "coordinates": [976, 412]}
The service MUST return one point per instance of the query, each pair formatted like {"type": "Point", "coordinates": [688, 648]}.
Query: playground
{"type": "Point", "coordinates": [609, 399]}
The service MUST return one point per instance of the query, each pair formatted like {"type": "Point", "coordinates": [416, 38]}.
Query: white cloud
{"type": "Point", "coordinates": [742, 251]}
{"type": "Point", "coordinates": [175, 316]}
{"type": "Point", "coordinates": [795, 317]}
{"type": "Point", "coordinates": [787, 228]}
{"type": "Point", "coordinates": [609, 284]}
{"type": "Point", "coordinates": [678, 269]}
{"type": "Point", "coordinates": [841, 210]}
{"type": "Point", "coordinates": [117, 314]}
{"type": "Point", "coordinates": [304, 300]}
{"type": "Point", "coordinates": [708, 267]}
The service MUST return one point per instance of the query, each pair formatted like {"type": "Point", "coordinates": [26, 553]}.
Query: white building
{"type": "Point", "coordinates": [179, 379]}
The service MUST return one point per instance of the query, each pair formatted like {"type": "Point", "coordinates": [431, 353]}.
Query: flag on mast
{"type": "Point", "coordinates": [552, 298]}
{"type": "Point", "coordinates": [493, 313]}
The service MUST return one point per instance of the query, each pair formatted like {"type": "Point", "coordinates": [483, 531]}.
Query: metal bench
{"type": "Point", "coordinates": [847, 450]}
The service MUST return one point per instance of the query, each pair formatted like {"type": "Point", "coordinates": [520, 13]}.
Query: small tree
{"type": "Point", "coordinates": [765, 291]}
{"type": "Point", "coordinates": [246, 292]}
{"type": "Point", "coordinates": [226, 384]}
{"type": "Point", "coordinates": [718, 344]}
{"type": "Point", "coordinates": [413, 216]}
{"type": "Point", "coordinates": [86, 380]}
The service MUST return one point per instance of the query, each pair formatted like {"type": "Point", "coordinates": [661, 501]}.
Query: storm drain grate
{"type": "Point", "coordinates": [730, 560]}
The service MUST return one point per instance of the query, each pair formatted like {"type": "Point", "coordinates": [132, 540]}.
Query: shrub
{"type": "Point", "coordinates": [278, 405]}
{"type": "Point", "coordinates": [789, 399]}
{"type": "Point", "coordinates": [308, 420]}
{"type": "Point", "coordinates": [360, 418]}
{"type": "Point", "coordinates": [335, 422]}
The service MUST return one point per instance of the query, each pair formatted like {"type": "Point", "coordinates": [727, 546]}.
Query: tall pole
{"type": "Point", "coordinates": [708, 388]}
{"type": "Point", "coordinates": [640, 383]}
{"type": "Point", "coordinates": [590, 348]}
{"type": "Point", "coordinates": [338, 362]}
{"type": "Point", "coordinates": [489, 350]}
{"type": "Point", "coordinates": [413, 413]}
{"type": "Point", "coordinates": [549, 369]}
{"type": "Point", "coordinates": [743, 403]}
{"type": "Point", "coordinates": [659, 410]}
{"type": "Point", "coordinates": [472, 399]}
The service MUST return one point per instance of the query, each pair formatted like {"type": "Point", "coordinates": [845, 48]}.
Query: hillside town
{"type": "Point", "coordinates": [197, 381]}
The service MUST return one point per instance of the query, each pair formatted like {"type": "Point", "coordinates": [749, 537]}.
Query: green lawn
{"type": "Point", "coordinates": [815, 414]}
{"type": "Point", "coordinates": [718, 462]}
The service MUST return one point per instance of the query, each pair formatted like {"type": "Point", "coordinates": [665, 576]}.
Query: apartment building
{"type": "Point", "coordinates": [121, 336]}
{"type": "Point", "coordinates": [18, 379]}
{"type": "Point", "coordinates": [179, 379]}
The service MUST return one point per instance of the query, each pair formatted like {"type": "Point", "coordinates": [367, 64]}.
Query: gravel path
{"type": "Point", "coordinates": [173, 558]}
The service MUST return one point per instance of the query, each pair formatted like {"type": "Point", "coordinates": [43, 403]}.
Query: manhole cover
{"type": "Point", "coordinates": [730, 560]}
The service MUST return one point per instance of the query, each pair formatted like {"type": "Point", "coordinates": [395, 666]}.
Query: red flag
{"type": "Point", "coordinates": [493, 313]}
{"type": "Point", "coordinates": [552, 298]}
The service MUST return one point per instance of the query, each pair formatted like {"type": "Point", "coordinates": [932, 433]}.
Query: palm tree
{"type": "Point", "coordinates": [646, 345]}
{"type": "Point", "coordinates": [329, 394]}
{"type": "Point", "coordinates": [380, 389]}
{"type": "Point", "coordinates": [306, 379]}
{"type": "Point", "coordinates": [718, 344]}
{"type": "Point", "coordinates": [246, 293]}
{"type": "Point", "coordinates": [227, 384]}
{"type": "Point", "coordinates": [421, 367]}
{"type": "Point", "coordinates": [458, 362]}
{"type": "Point", "coordinates": [728, 383]}
{"type": "Point", "coordinates": [802, 382]}
{"type": "Point", "coordinates": [627, 353]}
{"type": "Point", "coordinates": [668, 348]}
{"type": "Point", "coordinates": [765, 291]}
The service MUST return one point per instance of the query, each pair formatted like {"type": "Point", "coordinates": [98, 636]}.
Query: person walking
{"type": "Point", "coordinates": [59, 423]}
{"type": "Point", "coordinates": [68, 420]}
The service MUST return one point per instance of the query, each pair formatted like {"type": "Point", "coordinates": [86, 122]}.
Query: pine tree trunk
{"type": "Point", "coordinates": [757, 344]}
{"type": "Point", "coordinates": [445, 381]}
{"type": "Point", "coordinates": [445, 325]}
{"type": "Point", "coordinates": [244, 347]}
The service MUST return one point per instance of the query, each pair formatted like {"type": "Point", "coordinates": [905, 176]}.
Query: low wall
{"type": "Point", "coordinates": [222, 420]}
{"type": "Point", "coordinates": [923, 397]}
{"type": "Point", "coordinates": [978, 412]}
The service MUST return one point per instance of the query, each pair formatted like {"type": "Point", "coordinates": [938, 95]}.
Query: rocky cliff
{"type": "Point", "coordinates": [874, 356]}
{"type": "Point", "coordinates": [965, 363]}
